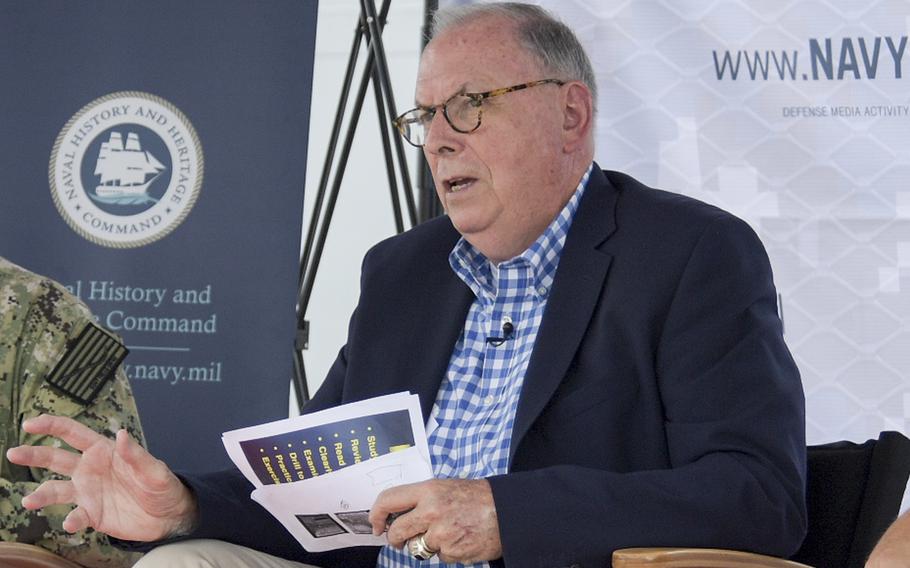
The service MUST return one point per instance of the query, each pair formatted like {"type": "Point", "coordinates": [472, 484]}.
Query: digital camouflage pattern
{"type": "Point", "coordinates": [39, 321]}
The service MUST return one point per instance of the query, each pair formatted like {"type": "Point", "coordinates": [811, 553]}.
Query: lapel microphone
{"type": "Point", "coordinates": [508, 330]}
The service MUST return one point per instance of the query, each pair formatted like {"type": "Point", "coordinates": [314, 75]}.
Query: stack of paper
{"type": "Point", "coordinates": [320, 473]}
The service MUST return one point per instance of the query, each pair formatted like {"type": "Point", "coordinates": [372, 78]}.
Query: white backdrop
{"type": "Point", "coordinates": [819, 166]}
{"type": "Point", "coordinates": [810, 143]}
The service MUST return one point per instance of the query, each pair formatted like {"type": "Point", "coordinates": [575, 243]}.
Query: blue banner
{"type": "Point", "coordinates": [152, 159]}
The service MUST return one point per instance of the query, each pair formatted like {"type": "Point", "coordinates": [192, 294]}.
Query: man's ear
{"type": "Point", "coordinates": [578, 115]}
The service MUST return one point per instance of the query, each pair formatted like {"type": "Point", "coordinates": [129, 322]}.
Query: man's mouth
{"type": "Point", "coordinates": [454, 185]}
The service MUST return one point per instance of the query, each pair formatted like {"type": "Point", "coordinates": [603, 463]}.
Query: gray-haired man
{"type": "Point", "coordinates": [641, 393]}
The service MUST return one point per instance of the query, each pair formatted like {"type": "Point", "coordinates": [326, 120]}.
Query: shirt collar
{"type": "Point", "coordinates": [542, 256]}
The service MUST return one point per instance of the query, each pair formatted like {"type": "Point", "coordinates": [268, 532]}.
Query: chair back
{"type": "Point", "coordinates": [854, 493]}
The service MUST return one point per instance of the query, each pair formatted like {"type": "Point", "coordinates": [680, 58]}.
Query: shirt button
{"type": "Point", "coordinates": [542, 290]}
{"type": "Point", "coordinates": [489, 400]}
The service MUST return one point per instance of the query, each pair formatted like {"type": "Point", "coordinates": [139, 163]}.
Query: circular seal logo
{"type": "Point", "coordinates": [126, 169]}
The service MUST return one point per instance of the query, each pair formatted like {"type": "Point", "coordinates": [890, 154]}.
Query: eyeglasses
{"type": "Point", "coordinates": [463, 112]}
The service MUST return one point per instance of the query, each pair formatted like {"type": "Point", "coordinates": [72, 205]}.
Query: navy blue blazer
{"type": "Point", "coordinates": [661, 406]}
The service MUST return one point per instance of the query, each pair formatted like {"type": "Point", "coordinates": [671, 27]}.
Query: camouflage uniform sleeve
{"type": "Point", "coordinates": [48, 320]}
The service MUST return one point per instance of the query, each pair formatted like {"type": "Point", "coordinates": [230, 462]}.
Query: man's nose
{"type": "Point", "coordinates": [441, 137]}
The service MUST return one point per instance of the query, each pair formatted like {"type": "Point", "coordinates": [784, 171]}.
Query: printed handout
{"type": "Point", "coordinates": [319, 473]}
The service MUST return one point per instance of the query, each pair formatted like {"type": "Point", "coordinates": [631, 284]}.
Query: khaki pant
{"type": "Point", "coordinates": [212, 554]}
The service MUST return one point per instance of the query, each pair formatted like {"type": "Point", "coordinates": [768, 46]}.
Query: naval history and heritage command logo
{"type": "Point", "coordinates": [126, 169]}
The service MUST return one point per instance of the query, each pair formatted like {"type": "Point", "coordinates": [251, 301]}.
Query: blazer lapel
{"type": "Point", "coordinates": [576, 291]}
{"type": "Point", "coordinates": [440, 307]}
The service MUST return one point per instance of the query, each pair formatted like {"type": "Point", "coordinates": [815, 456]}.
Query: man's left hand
{"type": "Point", "coordinates": [456, 516]}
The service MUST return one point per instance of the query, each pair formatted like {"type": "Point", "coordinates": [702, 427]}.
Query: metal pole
{"type": "Point", "coordinates": [375, 69]}
{"type": "Point", "coordinates": [330, 153]}
{"type": "Point", "coordinates": [387, 152]}
{"type": "Point", "coordinates": [379, 50]}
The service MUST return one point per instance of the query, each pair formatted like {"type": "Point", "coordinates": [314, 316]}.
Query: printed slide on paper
{"type": "Point", "coordinates": [320, 473]}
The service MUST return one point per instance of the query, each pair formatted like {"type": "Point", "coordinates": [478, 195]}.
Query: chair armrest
{"type": "Point", "coordinates": [21, 555]}
{"type": "Point", "coordinates": [696, 558]}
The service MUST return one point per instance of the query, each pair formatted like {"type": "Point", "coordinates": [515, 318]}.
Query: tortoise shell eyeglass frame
{"type": "Point", "coordinates": [415, 123]}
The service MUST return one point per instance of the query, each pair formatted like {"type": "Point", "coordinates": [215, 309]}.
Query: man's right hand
{"type": "Point", "coordinates": [117, 486]}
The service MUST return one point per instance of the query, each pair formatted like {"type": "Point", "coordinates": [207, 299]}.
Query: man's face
{"type": "Point", "coordinates": [503, 183]}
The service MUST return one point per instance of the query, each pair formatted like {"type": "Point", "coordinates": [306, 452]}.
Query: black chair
{"type": "Point", "coordinates": [854, 493]}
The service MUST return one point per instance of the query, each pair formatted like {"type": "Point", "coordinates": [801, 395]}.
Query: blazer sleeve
{"type": "Point", "coordinates": [734, 423]}
{"type": "Point", "coordinates": [228, 513]}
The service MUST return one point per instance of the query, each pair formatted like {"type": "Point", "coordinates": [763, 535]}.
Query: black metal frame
{"type": "Point", "coordinates": [375, 71]}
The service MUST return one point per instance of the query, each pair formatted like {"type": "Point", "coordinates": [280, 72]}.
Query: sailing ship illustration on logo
{"type": "Point", "coordinates": [125, 171]}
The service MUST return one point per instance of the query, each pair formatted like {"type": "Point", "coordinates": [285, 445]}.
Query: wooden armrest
{"type": "Point", "coordinates": [696, 558]}
{"type": "Point", "coordinates": [21, 555]}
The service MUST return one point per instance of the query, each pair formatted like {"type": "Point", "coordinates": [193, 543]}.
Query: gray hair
{"type": "Point", "coordinates": [551, 42]}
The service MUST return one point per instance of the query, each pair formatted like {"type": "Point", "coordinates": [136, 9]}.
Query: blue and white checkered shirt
{"type": "Point", "coordinates": [470, 427]}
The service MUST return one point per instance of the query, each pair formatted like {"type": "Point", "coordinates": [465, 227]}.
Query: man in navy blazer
{"type": "Point", "coordinates": [656, 402]}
